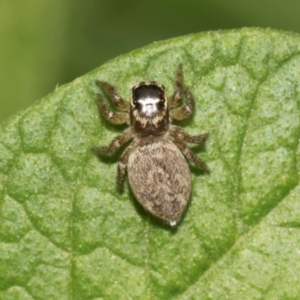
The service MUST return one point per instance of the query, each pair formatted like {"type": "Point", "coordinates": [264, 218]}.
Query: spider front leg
{"type": "Point", "coordinates": [177, 96]}
{"type": "Point", "coordinates": [180, 92]}
{"type": "Point", "coordinates": [183, 112]}
{"type": "Point", "coordinates": [180, 134]}
{"type": "Point", "coordinates": [113, 94]}
{"type": "Point", "coordinates": [113, 117]}
{"type": "Point", "coordinates": [190, 155]}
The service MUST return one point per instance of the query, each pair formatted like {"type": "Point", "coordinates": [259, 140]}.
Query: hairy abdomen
{"type": "Point", "coordinates": [160, 179]}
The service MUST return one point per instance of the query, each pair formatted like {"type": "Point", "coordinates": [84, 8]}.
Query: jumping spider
{"type": "Point", "coordinates": [158, 173]}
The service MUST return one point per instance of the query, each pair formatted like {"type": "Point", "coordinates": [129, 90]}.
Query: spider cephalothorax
{"type": "Point", "coordinates": [149, 113]}
{"type": "Point", "coordinates": [155, 160]}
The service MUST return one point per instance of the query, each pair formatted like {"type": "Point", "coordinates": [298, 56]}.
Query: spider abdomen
{"type": "Point", "coordinates": [160, 179]}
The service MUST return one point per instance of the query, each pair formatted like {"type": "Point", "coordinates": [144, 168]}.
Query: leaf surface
{"type": "Point", "coordinates": [65, 232]}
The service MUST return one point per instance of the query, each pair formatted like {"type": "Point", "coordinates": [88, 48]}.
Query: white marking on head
{"type": "Point", "coordinates": [148, 105]}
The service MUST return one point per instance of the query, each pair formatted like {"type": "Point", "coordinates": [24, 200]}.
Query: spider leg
{"type": "Point", "coordinates": [113, 94]}
{"type": "Point", "coordinates": [113, 117]}
{"type": "Point", "coordinates": [177, 96]}
{"type": "Point", "coordinates": [183, 112]}
{"type": "Point", "coordinates": [122, 165]}
{"type": "Point", "coordinates": [115, 144]}
{"type": "Point", "coordinates": [180, 134]}
{"type": "Point", "coordinates": [190, 155]}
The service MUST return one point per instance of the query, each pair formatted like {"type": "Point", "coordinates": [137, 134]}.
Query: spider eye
{"type": "Point", "coordinates": [137, 104]}
{"type": "Point", "coordinates": [161, 103]}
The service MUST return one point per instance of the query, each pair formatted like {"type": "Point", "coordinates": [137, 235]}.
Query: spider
{"type": "Point", "coordinates": [157, 170]}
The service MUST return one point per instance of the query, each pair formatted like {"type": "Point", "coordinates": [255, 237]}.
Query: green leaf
{"type": "Point", "coordinates": [65, 232]}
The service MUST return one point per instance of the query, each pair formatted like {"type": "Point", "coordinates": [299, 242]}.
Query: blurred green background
{"type": "Point", "coordinates": [44, 44]}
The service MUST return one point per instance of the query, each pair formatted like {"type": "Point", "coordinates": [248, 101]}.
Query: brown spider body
{"type": "Point", "coordinates": [157, 170]}
{"type": "Point", "coordinates": [160, 178]}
